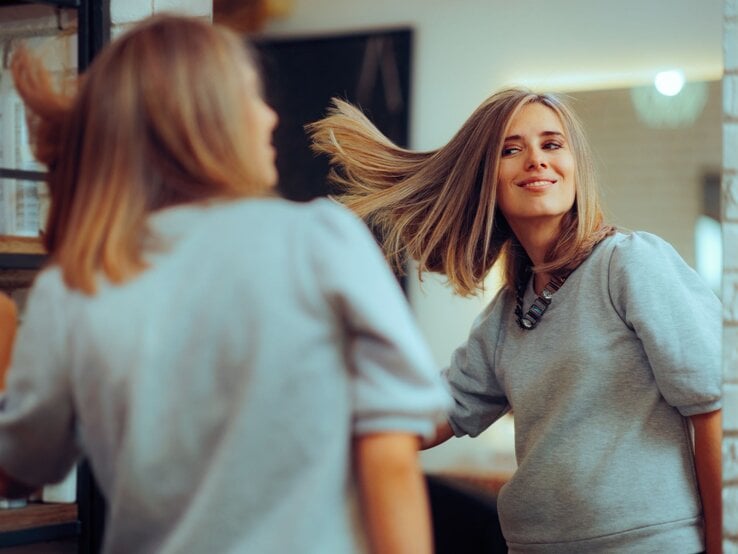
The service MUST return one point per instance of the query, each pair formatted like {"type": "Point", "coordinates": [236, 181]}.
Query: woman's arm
{"type": "Point", "coordinates": [708, 462]}
{"type": "Point", "coordinates": [8, 324]}
{"type": "Point", "coordinates": [394, 498]}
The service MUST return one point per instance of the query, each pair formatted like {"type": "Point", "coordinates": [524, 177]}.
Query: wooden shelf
{"type": "Point", "coordinates": [21, 245]}
{"type": "Point", "coordinates": [11, 279]}
{"type": "Point", "coordinates": [37, 515]}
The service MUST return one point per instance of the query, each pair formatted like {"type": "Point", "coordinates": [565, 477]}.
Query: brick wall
{"type": "Point", "coordinates": [125, 12]}
{"type": "Point", "coordinates": [730, 277]}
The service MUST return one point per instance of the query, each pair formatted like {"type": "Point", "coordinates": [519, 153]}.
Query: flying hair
{"type": "Point", "coordinates": [439, 207]}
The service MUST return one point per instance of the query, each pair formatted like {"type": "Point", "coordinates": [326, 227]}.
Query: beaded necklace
{"type": "Point", "coordinates": [530, 319]}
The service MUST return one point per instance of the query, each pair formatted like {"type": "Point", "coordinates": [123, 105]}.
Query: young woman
{"type": "Point", "coordinates": [604, 344]}
{"type": "Point", "coordinates": [217, 353]}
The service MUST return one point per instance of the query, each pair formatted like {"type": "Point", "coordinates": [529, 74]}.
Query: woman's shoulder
{"type": "Point", "coordinates": [264, 217]}
{"type": "Point", "coordinates": [320, 210]}
{"type": "Point", "coordinates": [640, 260]}
{"type": "Point", "coordinates": [626, 246]}
{"type": "Point", "coordinates": [640, 247]}
{"type": "Point", "coordinates": [50, 280]}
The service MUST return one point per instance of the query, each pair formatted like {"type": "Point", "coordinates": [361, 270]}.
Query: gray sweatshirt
{"type": "Point", "coordinates": [217, 393]}
{"type": "Point", "coordinates": [600, 391]}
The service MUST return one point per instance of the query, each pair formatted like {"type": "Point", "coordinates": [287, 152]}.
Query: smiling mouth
{"type": "Point", "coordinates": [536, 184]}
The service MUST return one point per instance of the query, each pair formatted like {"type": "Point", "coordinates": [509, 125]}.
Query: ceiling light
{"type": "Point", "coordinates": [669, 83]}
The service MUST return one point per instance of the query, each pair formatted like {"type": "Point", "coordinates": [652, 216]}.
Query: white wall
{"type": "Point", "coordinates": [467, 48]}
{"type": "Point", "coordinates": [129, 11]}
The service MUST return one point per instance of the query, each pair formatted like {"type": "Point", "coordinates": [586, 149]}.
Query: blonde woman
{"type": "Point", "coordinates": [604, 344]}
{"type": "Point", "coordinates": [217, 353]}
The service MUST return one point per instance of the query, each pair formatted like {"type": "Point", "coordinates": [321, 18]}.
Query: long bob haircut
{"type": "Point", "coordinates": [439, 207]}
{"type": "Point", "coordinates": [158, 120]}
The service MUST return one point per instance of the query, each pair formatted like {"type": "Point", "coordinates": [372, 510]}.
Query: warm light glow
{"type": "Point", "coordinates": [669, 83]}
{"type": "Point", "coordinates": [659, 111]}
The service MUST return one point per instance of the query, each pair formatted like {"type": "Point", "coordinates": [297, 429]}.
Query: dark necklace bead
{"type": "Point", "coordinates": [530, 319]}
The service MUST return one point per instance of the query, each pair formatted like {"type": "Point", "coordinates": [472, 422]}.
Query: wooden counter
{"type": "Point", "coordinates": [36, 515]}
{"type": "Point", "coordinates": [37, 523]}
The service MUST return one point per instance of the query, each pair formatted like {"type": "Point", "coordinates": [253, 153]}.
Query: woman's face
{"type": "Point", "coordinates": [261, 122]}
{"type": "Point", "coordinates": [537, 168]}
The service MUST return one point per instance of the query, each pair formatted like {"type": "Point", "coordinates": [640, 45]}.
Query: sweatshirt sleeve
{"type": "Point", "coordinates": [479, 398]}
{"type": "Point", "coordinates": [37, 422]}
{"type": "Point", "coordinates": [676, 317]}
{"type": "Point", "coordinates": [396, 384]}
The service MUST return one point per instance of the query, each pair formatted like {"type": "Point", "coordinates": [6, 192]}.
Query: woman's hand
{"type": "Point", "coordinates": [8, 325]}
{"type": "Point", "coordinates": [443, 433]}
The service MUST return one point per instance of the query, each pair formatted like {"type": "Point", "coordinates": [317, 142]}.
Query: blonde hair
{"type": "Point", "coordinates": [439, 207]}
{"type": "Point", "coordinates": [157, 120]}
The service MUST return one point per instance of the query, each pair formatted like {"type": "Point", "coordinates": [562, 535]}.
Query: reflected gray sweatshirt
{"type": "Point", "coordinates": [600, 389]}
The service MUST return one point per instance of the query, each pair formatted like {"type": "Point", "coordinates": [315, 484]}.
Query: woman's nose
{"type": "Point", "coordinates": [535, 159]}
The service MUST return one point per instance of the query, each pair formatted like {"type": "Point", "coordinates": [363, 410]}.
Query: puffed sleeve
{"type": "Point", "coordinates": [479, 399]}
{"type": "Point", "coordinates": [396, 384]}
{"type": "Point", "coordinates": [676, 317]}
{"type": "Point", "coordinates": [37, 422]}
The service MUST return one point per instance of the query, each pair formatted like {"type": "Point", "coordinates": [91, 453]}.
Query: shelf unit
{"type": "Point", "coordinates": [93, 31]}
{"type": "Point", "coordinates": [20, 260]}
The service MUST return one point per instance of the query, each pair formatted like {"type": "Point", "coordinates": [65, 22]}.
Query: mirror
{"type": "Point", "coordinates": [657, 179]}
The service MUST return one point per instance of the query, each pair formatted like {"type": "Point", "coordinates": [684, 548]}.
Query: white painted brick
{"type": "Point", "coordinates": [730, 94]}
{"type": "Point", "coordinates": [730, 247]}
{"type": "Point", "coordinates": [730, 146]}
{"type": "Point", "coordinates": [730, 198]}
{"type": "Point", "coordinates": [730, 296]}
{"type": "Point", "coordinates": [730, 459]}
{"type": "Point", "coordinates": [202, 8]}
{"type": "Point", "coordinates": [730, 407]}
{"type": "Point", "coordinates": [730, 336]}
{"type": "Point", "coordinates": [115, 31]}
{"type": "Point", "coordinates": [730, 510]}
{"type": "Point", "coordinates": [730, 8]}
{"type": "Point", "coordinates": [730, 44]}
{"type": "Point", "coordinates": [730, 353]}
{"type": "Point", "coordinates": [58, 52]}
{"type": "Point", "coordinates": [128, 11]}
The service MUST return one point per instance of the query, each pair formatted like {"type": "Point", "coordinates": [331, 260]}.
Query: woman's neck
{"type": "Point", "coordinates": [537, 238]}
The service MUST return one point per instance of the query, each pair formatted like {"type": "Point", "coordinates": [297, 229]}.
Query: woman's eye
{"type": "Point", "coordinates": [509, 150]}
{"type": "Point", "coordinates": [552, 146]}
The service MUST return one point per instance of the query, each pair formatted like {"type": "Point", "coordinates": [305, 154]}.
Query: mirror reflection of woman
{"type": "Point", "coordinates": [603, 343]}
{"type": "Point", "coordinates": [217, 353]}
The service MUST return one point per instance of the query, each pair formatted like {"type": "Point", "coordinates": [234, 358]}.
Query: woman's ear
{"type": "Point", "coordinates": [8, 325]}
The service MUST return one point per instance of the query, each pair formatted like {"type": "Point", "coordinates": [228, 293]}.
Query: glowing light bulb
{"type": "Point", "coordinates": [669, 83]}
